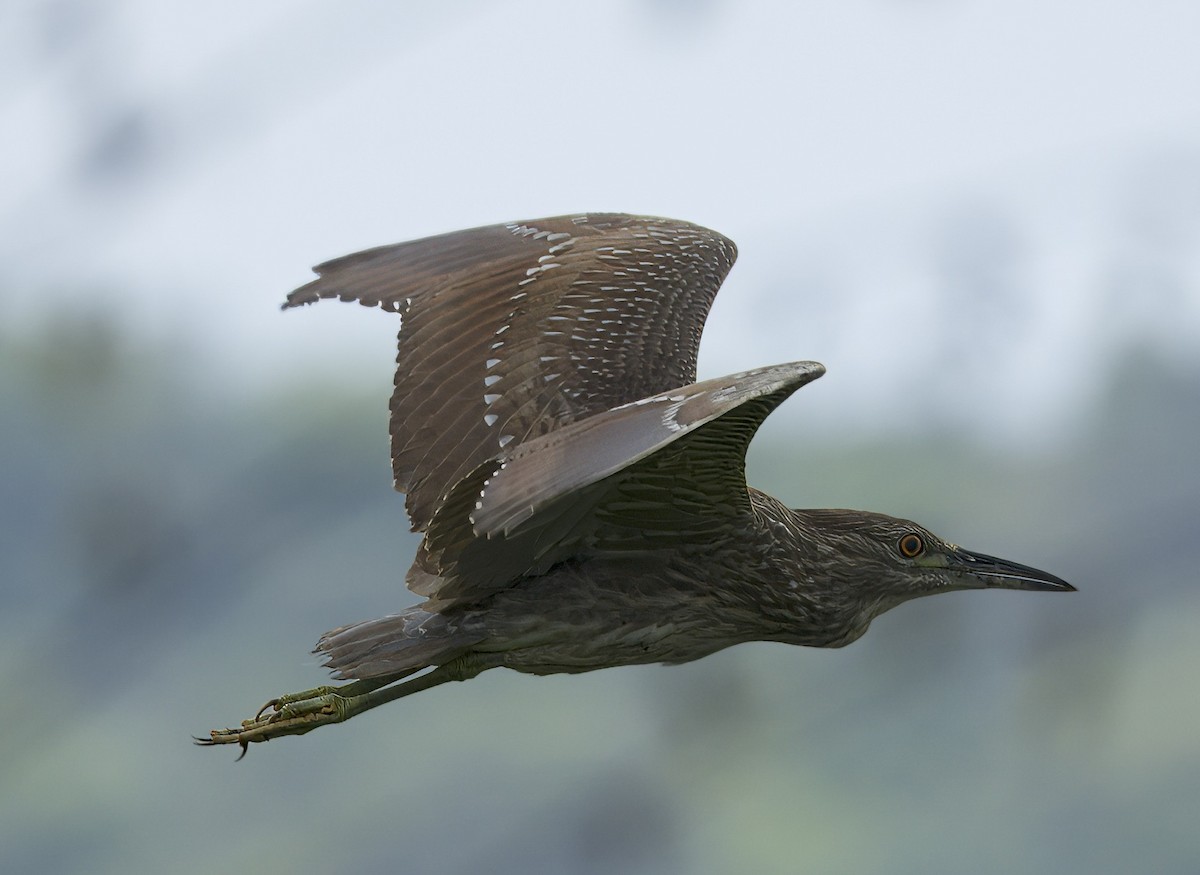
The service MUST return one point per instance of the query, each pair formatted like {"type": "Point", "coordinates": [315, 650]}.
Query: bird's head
{"type": "Point", "coordinates": [874, 562]}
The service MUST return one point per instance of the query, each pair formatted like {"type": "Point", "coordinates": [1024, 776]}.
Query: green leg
{"type": "Point", "coordinates": [298, 713]}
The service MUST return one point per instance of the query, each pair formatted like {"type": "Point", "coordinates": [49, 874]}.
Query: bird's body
{"type": "Point", "coordinates": [583, 500]}
{"type": "Point", "coordinates": [670, 605]}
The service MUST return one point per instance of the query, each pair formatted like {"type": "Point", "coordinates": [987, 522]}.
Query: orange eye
{"type": "Point", "coordinates": [911, 545]}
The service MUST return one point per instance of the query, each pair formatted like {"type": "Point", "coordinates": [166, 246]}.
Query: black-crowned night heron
{"type": "Point", "coordinates": [583, 500]}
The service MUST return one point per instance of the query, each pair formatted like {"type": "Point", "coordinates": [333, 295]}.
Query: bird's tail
{"type": "Point", "coordinates": [399, 644]}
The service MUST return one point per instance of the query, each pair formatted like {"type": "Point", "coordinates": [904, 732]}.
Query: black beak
{"type": "Point", "coordinates": [1002, 574]}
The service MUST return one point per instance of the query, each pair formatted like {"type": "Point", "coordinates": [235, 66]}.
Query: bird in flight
{"type": "Point", "coordinates": [583, 499]}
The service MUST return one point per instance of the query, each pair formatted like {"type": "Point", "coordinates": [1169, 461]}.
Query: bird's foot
{"type": "Point", "coordinates": [275, 706]}
{"type": "Point", "coordinates": [291, 714]}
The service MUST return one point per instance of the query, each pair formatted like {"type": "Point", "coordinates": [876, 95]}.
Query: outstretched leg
{"type": "Point", "coordinates": [298, 713]}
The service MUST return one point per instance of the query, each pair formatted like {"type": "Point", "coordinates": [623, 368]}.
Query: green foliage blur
{"type": "Point", "coordinates": [169, 553]}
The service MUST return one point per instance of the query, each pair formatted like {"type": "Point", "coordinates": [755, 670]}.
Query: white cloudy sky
{"type": "Point", "coordinates": [988, 199]}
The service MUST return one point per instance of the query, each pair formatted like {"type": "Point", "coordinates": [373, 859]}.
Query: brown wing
{"type": "Point", "coordinates": [661, 471]}
{"type": "Point", "coordinates": [511, 331]}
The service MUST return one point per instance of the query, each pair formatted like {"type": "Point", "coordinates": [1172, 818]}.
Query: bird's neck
{"type": "Point", "coordinates": [801, 589]}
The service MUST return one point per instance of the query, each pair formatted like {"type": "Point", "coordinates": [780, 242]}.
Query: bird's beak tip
{"type": "Point", "coordinates": [1055, 585]}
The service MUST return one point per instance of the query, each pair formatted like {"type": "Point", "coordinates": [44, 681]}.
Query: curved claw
{"type": "Point", "coordinates": [212, 742]}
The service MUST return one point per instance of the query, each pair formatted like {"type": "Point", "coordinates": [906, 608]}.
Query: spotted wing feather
{"type": "Point", "coordinates": [661, 471]}
{"type": "Point", "coordinates": [510, 332]}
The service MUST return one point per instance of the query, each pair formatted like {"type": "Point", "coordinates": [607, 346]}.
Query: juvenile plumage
{"type": "Point", "coordinates": [583, 500]}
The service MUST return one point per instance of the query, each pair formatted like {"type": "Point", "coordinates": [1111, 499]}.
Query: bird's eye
{"type": "Point", "coordinates": [911, 545]}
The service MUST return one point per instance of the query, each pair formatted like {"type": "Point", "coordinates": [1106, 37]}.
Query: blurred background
{"type": "Point", "coordinates": [983, 217]}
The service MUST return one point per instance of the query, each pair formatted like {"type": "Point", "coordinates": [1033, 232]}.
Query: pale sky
{"type": "Point", "coordinates": [990, 198]}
